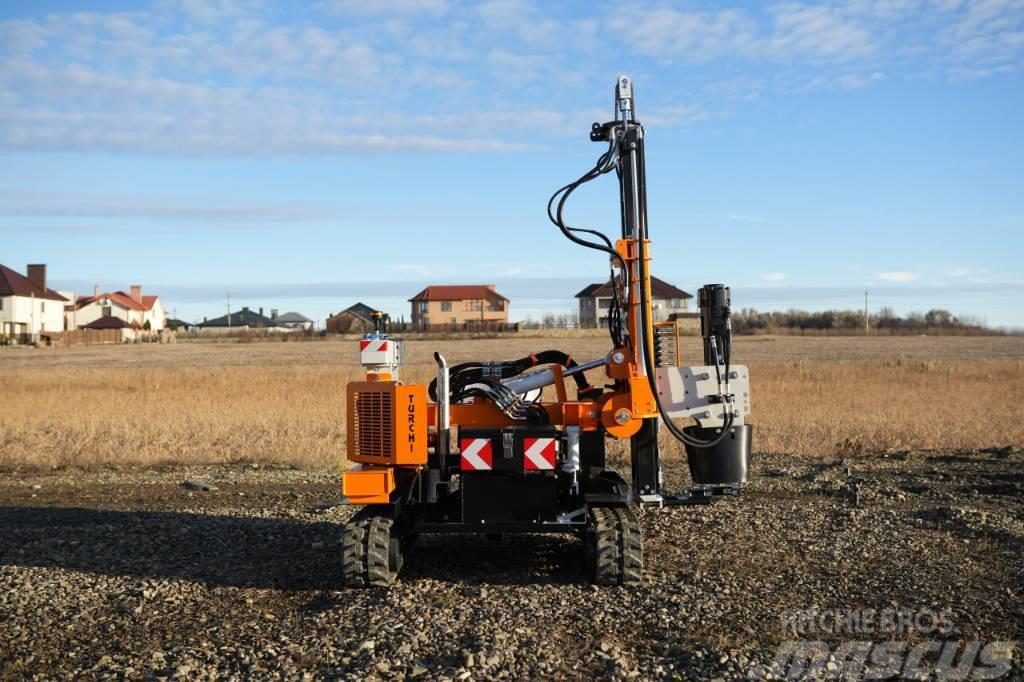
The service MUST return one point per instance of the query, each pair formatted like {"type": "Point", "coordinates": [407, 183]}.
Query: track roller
{"type": "Point", "coordinates": [371, 554]}
{"type": "Point", "coordinates": [613, 546]}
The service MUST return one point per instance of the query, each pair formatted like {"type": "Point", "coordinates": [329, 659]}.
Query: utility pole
{"type": "Point", "coordinates": [866, 330]}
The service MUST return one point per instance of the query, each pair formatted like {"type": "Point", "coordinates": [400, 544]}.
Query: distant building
{"type": "Point", "coordinates": [460, 306]}
{"type": "Point", "coordinates": [139, 312]}
{"type": "Point", "coordinates": [356, 319]}
{"type": "Point", "coordinates": [667, 302]}
{"type": "Point", "coordinates": [129, 332]}
{"type": "Point", "coordinates": [243, 320]}
{"type": "Point", "coordinates": [27, 307]}
{"type": "Point", "coordinates": [293, 321]}
{"type": "Point", "coordinates": [179, 325]}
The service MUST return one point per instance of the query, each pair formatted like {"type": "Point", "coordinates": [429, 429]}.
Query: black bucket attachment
{"type": "Point", "coordinates": [723, 464]}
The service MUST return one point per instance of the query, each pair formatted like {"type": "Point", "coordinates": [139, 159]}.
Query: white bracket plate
{"type": "Point", "coordinates": [687, 392]}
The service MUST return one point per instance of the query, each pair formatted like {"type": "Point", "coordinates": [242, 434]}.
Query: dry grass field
{"type": "Point", "coordinates": [284, 402]}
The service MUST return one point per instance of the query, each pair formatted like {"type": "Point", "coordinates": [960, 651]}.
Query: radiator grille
{"type": "Point", "coordinates": [373, 424]}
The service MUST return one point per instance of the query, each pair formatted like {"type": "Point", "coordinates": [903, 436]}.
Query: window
{"type": "Point", "coordinates": [42, 306]}
{"type": "Point", "coordinates": [1, 304]}
{"type": "Point", "coordinates": [677, 303]}
{"type": "Point", "coordinates": [474, 305]}
{"type": "Point", "coordinates": [604, 303]}
{"type": "Point", "coordinates": [446, 306]}
{"type": "Point", "coordinates": [106, 311]}
{"type": "Point", "coordinates": [424, 306]}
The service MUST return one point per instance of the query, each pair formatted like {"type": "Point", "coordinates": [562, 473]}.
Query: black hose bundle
{"type": "Point", "coordinates": [605, 163]}
{"type": "Point", "coordinates": [483, 379]}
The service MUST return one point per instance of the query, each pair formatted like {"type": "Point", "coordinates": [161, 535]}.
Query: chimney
{"type": "Point", "coordinates": [261, 311]}
{"type": "Point", "coordinates": [37, 275]}
{"type": "Point", "coordinates": [137, 292]}
{"type": "Point", "coordinates": [95, 289]}
{"type": "Point", "coordinates": [489, 286]}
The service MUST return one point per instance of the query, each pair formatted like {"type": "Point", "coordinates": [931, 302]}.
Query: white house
{"type": "Point", "coordinates": [27, 307]}
{"type": "Point", "coordinates": [667, 302]}
{"type": "Point", "coordinates": [132, 308]}
{"type": "Point", "coordinates": [294, 321]}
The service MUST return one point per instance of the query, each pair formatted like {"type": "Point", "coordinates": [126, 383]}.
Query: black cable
{"type": "Point", "coordinates": [604, 164]}
{"type": "Point", "coordinates": [649, 365]}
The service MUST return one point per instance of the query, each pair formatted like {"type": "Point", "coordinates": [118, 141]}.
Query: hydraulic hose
{"type": "Point", "coordinates": [646, 328]}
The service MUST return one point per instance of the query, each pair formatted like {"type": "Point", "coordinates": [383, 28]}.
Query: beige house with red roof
{"type": "Point", "coordinates": [137, 311]}
{"type": "Point", "coordinates": [461, 305]}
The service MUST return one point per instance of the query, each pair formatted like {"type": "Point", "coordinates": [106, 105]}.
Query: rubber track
{"type": "Point", "coordinates": [616, 546]}
{"type": "Point", "coordinates": [364, 551]}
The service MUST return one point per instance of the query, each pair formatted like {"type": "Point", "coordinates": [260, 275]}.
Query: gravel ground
{"type": "Point", "coordinates": [127, 572]}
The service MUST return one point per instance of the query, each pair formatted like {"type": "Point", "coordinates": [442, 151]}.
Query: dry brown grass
{"type": "Point", "coordinates": [285, 402]}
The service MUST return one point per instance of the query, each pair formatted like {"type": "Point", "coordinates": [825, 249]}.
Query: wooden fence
{"type": "Point", "coordinates": [87, 337]}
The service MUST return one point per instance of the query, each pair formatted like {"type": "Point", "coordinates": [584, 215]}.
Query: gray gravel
{"type": "Point", "coordinates": [125, 572]}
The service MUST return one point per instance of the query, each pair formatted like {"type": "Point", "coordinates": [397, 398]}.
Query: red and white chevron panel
{"type": "Point", "coordinates": [539, 453]}
{"type": "Point", "coordinates": [373, 345]}
{"type": "Point", "coordinates": [476, 454]}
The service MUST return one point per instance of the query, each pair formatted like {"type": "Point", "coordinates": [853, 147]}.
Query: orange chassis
{"type": "Point", "coordinates": [620, 413]}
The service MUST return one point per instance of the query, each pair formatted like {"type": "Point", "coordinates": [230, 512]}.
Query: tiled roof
{"type": "Point", "coordinates": [659, 289]}
{"type": "Point", "coordinates": [241, 318]}
{"type": "Point", "coordinates": [588, 290]}
{"type": "Point", "coordinates": [456, 292]}
{"type": "Point", "coordinates": [292, 317]}
{"type": "Point", "coordinates": [119, 297]}
{"type": "Point", "coordinates": [108, 322]}
{"type": "Point", "coordinates": [15, 284]}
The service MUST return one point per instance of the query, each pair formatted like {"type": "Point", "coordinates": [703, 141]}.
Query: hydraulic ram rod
{"type": "Point", "coordinates": [524, 383]}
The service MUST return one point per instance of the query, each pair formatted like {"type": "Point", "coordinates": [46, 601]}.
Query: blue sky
{"type": "Point", "coordinates": [308, 156]}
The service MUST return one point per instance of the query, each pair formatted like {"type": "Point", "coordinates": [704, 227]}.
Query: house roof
{"type": "Point", "coordinates": [119, 297]}
{"type": "Point", "coordinates": [456, 292]}
{"type": "Point", "coordinates": [241, 318]}
{"type": "Point", "coordinates": [360, 310]}
{"type": "Point", "coordinates": [15, 284]}
{"type": "Point", "coordinates": [171, 322]}
{"type": "Point", "coordinates": [292, 317]}
{"type": "Point", "coordinates": [108, 322]}
{"type": "Point", "coordinates": [588, 291]}
{"type": "Point", "coordinates": [659, 289]}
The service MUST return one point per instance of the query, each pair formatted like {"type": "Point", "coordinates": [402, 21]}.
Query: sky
{"type": "Point", "coordinates": [308, 156]}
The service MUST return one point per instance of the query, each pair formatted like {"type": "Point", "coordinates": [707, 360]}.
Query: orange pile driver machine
{"type": "Point", "coordinates": [480, 450]}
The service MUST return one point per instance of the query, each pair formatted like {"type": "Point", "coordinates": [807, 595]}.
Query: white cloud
{"type": "Point", "coordinates": [423, 269]}
{"type": "Point", "coordinates": [22, 203]}
{"type": "Point", "coordinates": [238, 76]}
{"type": "Point", "coordinates": [897, 276]}
{"type": "Point", "coordinates": [697, 36]}
{"type": "Point", "coordinates": [383, 7]}
{"type": "Point", "coordinates": [773, 276]}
